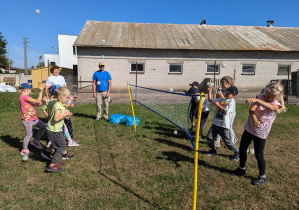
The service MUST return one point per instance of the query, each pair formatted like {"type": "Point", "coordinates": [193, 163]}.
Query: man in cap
{"type": "Point", "coordinates": [101, 87]}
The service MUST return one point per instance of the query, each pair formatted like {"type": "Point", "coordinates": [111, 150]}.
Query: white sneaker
{"type": "Point", "coordinates": [73, 144]}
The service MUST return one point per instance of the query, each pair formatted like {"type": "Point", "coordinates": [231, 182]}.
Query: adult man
{"type": "Point", "coordinates": [101, 86]}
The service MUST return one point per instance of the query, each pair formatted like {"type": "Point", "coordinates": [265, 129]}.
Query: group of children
{"type": "Point", "coordinates": [262, 113]}
{"type": "Point", "coordinates": [58, 127]}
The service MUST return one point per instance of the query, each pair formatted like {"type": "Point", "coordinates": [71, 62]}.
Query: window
{"type": "Point", "coordinates": [52, 63]}
{"type": "Point", "coordinates": [211, 69]}
{"type": "Point", "coordinates": [175, 68]}
{"type": "Point", "coordinates": [283, 69]}
{"type": "Point", "coordinates": [74, 50]}
{"type": "Point", "coordinates": [248, 69]}
{"type": "Point", "coordinates": [140, 67]}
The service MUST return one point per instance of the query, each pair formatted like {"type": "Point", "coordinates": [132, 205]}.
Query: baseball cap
{"type": "Point", "coordinates": [195, 83]}
{"type": "Point", "coordinates": [192, 90]}
{"type": "Point", "coordinates": [25, 86]}
{"type": "Point", "coordinates": [232, 90]}
{"type": "Point", "coordinates": [102, 64]}
{"type": "Point", "coordinates": [54, 89]}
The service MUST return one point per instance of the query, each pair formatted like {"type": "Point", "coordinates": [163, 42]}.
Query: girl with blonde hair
{"type": "Point", "coordinates": [262, 113]}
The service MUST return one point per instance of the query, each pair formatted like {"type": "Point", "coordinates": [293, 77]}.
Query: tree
{"type": "Point", "coordinates": [3, 59]}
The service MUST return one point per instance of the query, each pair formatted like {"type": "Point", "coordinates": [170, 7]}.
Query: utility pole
{"type": "Point", "coordinates": [25, 56]}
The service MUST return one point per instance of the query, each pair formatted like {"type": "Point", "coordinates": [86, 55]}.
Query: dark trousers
{"type": "Point", "coordinates": [204, 117]}
{"type": "Point", "coordinates": [68, 123]}
{"type": "Point", "coordinates": [58, 142]}
{"type": "Point", "coordinates": [224, 133]}
{"type": "Point", "coordinates": [259, 145]}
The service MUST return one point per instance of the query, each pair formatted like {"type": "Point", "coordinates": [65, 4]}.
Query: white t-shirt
{"type": "Point", "coordinates": [55, 80]}
{"type": "Point", "coordinates": [223, 119]}
{"type": "Point", "coordinates": [205, 105]}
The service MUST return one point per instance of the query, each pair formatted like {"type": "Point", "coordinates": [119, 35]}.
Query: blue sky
{"type": "Point", "coordinates": [18, 18]}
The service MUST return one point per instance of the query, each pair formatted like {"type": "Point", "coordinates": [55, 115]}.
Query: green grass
{"type": "Point", "coordinates": [116, 168]}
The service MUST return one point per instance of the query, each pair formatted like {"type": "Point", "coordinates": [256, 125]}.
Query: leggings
{"type": "Point", "coordinates": [259, 145]}
{"type": "Point", "coordinates": [66, 132]}
{"type": "Point", "coordinates": [68, 123]}
{"type": "Point", "coordinates": [28, 125]}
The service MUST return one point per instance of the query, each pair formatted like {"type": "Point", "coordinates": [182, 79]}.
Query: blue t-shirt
{"type": "Point", "coordinates": [101, 79]}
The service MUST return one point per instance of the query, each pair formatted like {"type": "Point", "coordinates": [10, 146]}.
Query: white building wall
{"type": "Point", "coordinates": [51, 58]}
{"type": "Point", "coordinates": [117, 62]}
{"type": "Point", "coordinates": [65, 46]}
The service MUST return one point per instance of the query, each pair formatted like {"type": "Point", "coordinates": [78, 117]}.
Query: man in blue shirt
{"type": "Point", "coordinates": [101, 87]}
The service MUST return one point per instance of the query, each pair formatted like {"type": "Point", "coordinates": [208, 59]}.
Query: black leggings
{"type": "Point", "coordinates": [68, 123]}
{"type": "Point", "coordinates": [259, 145]}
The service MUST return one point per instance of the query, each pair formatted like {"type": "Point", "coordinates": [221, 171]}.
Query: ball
{"type": "Point", "coordinates": [25, 157]}
{"type": "Point", "coordinates": [37, 11]}
{"type": "Point", "coordinates": [170, 90]}
{"type": "Point", "coordinates": [175, 132]}
{"type": "Point", "coordinates": [98, 82]}
{"type": "Point", "coordinates": [251, 151]}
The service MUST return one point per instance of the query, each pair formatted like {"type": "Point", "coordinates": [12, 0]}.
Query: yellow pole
{"type": "Point", "coordinates": [196, 151]}
{"type": "Point", "coordinates": [132, 106]}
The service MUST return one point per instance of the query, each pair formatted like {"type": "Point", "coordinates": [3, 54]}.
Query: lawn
{"type": "Point", "coordinates": [152, 168]}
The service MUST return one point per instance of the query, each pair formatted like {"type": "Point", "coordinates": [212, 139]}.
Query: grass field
{"type": "Point", "coordinates": [116, 168]}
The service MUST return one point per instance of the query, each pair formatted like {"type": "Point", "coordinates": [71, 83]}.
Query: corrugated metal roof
{"type": "Point", "coordinates": [187, 36]}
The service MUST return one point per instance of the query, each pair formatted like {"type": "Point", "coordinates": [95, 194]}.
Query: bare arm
{"type": "Point", "coordinates": [109, 88]}
{"type": "Point", "coordinates": [39, 98]}
{"type": "Point", "coordinates": [272, 107]}
{"type": "Point", "coordinates": [210, 94]}
{"type": "Point", "coordinates": [58, 116]}
{"type": "Point", "coordinates": [253, 115]}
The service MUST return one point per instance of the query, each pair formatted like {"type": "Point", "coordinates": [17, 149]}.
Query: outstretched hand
{"type": "Point", "coordinates": [250, 101]}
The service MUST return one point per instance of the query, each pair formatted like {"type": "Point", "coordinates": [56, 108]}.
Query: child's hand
{"type": "Point", "coordinates": [216, 103]}
{"type": "Point", "coordinates": [41, 89]}
{"type": "Point", "coordinates": [71, 105]}
{"type": "Point", "coordinates": [75, 96]}
{"type": "Point", "coordinates": [220, 88]}
{"type": "Point", "coordinates": [250, 101]}
{"type": "Point", "coordinates": [258, 123]}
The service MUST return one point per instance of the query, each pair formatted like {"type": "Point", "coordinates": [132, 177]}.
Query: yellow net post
{"type": "Point", "coordinates": [196, 152]}
{"type": "Point", "coordinates": [132, 105]}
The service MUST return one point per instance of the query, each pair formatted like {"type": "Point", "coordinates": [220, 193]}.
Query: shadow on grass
{"type": "Point", "coordinates": [16, 143]}
{"type": "Point", "coordinates": [129, 190]}
{"type": "Point", "coordinates": [84, 115]}
{"type": "Point", "coordinates": [176, 158]}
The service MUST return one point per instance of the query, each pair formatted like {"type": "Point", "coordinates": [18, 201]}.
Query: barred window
{"type": "Point", "coordinates": [248, 69]}
{"type": "Point", "coordinates": [140, 67]}
{"type": "Point", "coordinates": [211, 69]}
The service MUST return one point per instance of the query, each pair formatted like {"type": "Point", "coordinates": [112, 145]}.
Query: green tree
{"type": "Point", "coordinates": [3, 59]}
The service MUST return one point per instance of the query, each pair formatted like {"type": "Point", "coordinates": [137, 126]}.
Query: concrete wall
{"type": "Point", "coordinates": [20, 78]}
{"type": "Point", "coordinates": [156, 73]}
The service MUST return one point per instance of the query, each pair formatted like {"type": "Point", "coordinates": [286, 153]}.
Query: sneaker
{"type": "Point", "coordinates": [46, 155]}
{"type": "Point", "coordinates": [36, 144]}
{"type": "Point", "coordinates": [217, 144]}
{"type": "Point", "coordinates": [212, 152]}
{"type": "Point", "coordinates": [23, 152]}
{"type": "Point", "coordinates": [97, 119]}
{"type": "Point", "coordinates": [107, 119]}
{"type": "Point", "coordinates": [53, 169]}
{"type": "Point", "coordinates": [58, 164]}
{"type": "Point", "coordinates": [240, 172]}
{"type": "Point", "coordinates": [236, 157]}
{"type": "Point", "coordinates": [260, 181]}
{"type": "Point", "coordinates": [67, 156]}
{"type": "Point", "coordinates": [73, 144]}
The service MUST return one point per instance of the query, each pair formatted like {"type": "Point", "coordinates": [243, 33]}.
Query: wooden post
{"type": "Point", "coordinates": [136, 82]}
{"type": "Point", "coordinates": [214, 80]}
{"type": "Point", "coordinates": [288, 88]}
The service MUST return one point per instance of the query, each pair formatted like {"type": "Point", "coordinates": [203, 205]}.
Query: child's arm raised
{"type": "Point", "coordinates": [253, 115]}
{"type": "Point", "coordinates": [39, 98]}
{"type": "Point", "coordinates": [210, 93]}
{"type": "Point", "coordinates": [58, 116]}
{"type": "Point", "coordinates": [272, 107]}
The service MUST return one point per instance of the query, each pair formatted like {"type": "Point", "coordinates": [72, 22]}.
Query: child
{"type": "Point", "coordinates": [54, 128]}
{"type": "Point", "coordinates": [29, 118]}
{"type": "Point", "coordinates": [194, 86]}
{"type": "Point", "coordinates": [263, 111]}
{"type": "Point", "coordinates": [221, 121]}
{"type": "Point", "coordinates": [226, 82]}
{"type": "Point", "coordinates": [47, 109]}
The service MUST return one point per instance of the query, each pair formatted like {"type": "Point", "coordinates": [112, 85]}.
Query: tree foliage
{"type": "Point", "coordinates": [3, 59]}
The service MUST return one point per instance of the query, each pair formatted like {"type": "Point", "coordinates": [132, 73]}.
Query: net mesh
{"type": "Point", "coordinates": [172, 106]}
